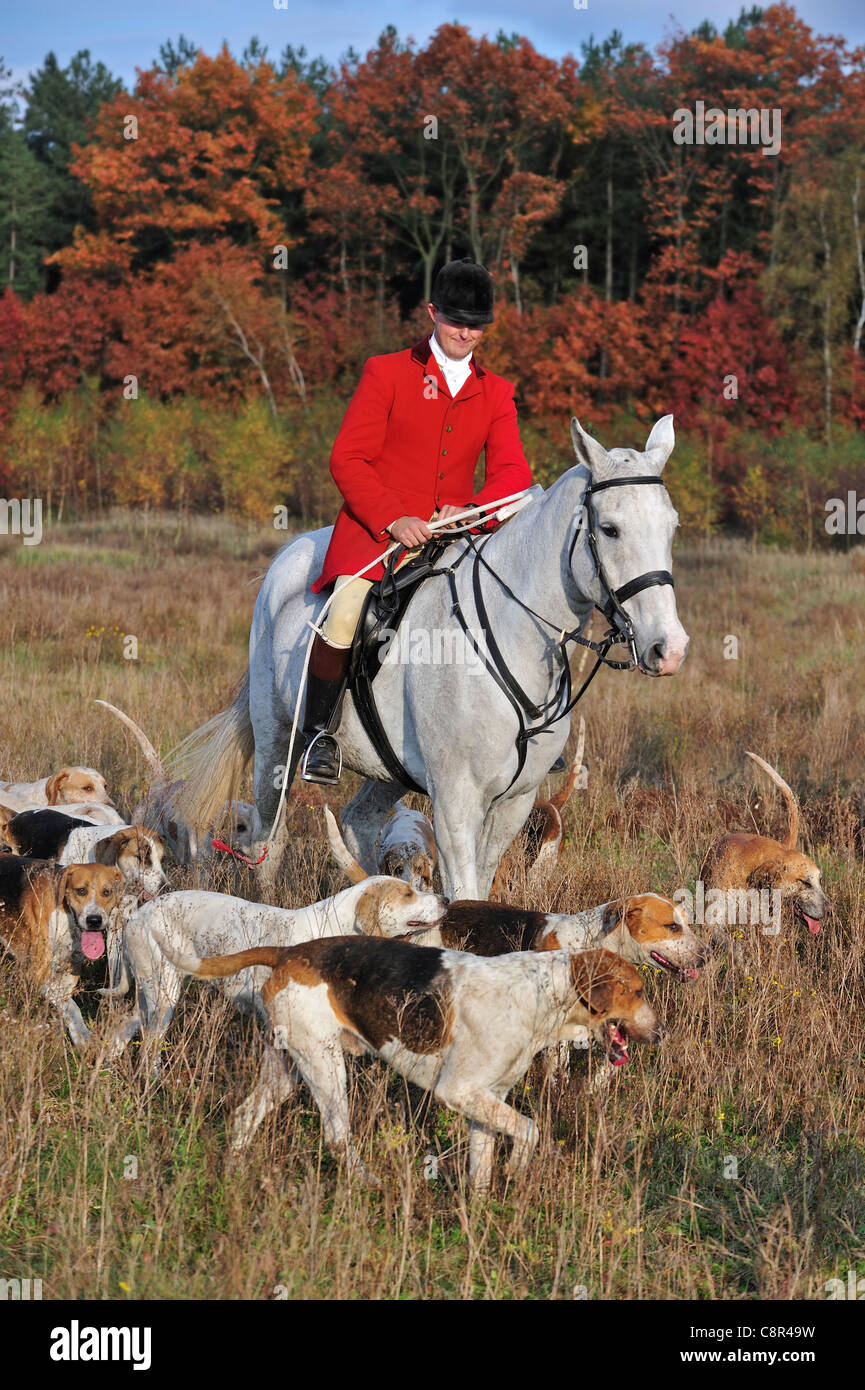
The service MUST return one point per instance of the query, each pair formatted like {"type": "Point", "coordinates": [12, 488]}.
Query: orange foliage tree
{"type": "Point", "coordinates": [208, 153]}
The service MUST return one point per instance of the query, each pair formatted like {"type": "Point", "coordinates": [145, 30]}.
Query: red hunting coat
{"type": "Point", "coordinates": [404, 449]}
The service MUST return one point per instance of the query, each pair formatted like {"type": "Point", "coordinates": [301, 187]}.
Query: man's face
{"type": "Point", "coordinates": [456, 339]}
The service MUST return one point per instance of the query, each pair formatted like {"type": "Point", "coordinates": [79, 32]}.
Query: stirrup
{"type": "Point", "coordinates": [314, 776]}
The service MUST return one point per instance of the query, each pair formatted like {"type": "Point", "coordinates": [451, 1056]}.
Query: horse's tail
{"type": "Point", "coordinates": [213, 759]}
{"type": "Point", "coordinates": [789, 797]}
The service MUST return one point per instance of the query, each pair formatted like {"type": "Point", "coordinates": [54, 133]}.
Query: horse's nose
{"type": "Point", "coordinates": [664, 657]}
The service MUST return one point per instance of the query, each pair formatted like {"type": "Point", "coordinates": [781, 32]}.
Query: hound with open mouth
{"type": "Point", "coordinates": [462, 1027]}
{"type": "Point", "coordinates": [53, 919]}
{"type": "Point", "coordinates": [743, 861]}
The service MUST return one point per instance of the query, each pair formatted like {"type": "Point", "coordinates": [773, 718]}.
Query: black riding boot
{"type": "Point", "coordinates": [322, 758]}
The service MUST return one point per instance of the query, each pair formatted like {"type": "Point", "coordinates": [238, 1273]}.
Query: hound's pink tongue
{"type": "Point", "coordinates": [92, 944]}
{"type": "Point", "coordinates": [622, 1043]}
{"type": "Point", "coordinates": [813, 924]}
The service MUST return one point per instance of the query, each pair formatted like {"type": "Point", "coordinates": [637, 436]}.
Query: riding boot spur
{"type": "Point", "coordinates": [322, 755]}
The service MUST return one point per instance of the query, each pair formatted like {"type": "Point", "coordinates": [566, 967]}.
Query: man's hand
{"type": "Point", "coordinates": [449, 510]}
{"type": "Point", "coordinates": [410, 531]}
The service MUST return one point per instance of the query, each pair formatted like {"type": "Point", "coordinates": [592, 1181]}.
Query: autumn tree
{"type": "Point", "coordinates": [191, 158]}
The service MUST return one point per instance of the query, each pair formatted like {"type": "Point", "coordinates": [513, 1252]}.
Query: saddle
{"type": "Point", "coordinates": [383, 611]}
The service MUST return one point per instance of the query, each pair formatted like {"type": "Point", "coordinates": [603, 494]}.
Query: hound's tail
{"type": "Point", "coordinates": [561, 796]}
{"type": "Point", "coordinates": [211, 967]}
{"type": "Point", "coordinates": [789, 797]}
{"type": "Point", "coordinates": [341, 852]}
{"type": "Point", "coordinates": [151, 757]}
{"type": "Point", "coordinates": [213, 759]}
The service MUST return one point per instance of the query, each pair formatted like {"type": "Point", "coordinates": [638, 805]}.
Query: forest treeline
{"type": "Point", "coordinates": [193, 272]}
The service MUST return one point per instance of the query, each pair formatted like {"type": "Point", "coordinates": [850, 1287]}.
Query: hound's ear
{"type": "Point", "coordinates": [107, 851]}
{"type": "Point", "coordinates": [660, 443]}
{"type": "Point", "coordinates": [633, 915]}
{"type": "Point", "coordinates": [593, 987]}
{"type": "Point", "coordinates": [611, 916]}
{"type": "Point", "coordinates": [54, 786]}
{"type": "Point", "coordinates": [767, 874]}
{"type": "Point", "coordinates": [589, 452]}
{"type": "Point", "coordinates": [63, 886]}
{"type": "Point", "coordinates": [368, 911]}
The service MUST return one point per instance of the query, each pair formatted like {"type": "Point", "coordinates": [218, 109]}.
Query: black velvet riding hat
{"type": "Point", "coordinates": [463, 292]}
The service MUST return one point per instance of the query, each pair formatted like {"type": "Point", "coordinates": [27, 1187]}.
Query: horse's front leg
{"type": "Point", "coordinates": [458, 822]}
{"type": "Point", "coordinates": [503, 822]}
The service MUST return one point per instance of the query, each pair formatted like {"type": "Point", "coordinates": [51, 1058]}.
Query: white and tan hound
{"type": "Point", "coordinates": [69, 785]}
{"type": "Point", "coordinates": [200, 923]}
{"type": "Point", "coordinates": [459, 1026]}
{"type": "Point", "coordinates": [52, 919]}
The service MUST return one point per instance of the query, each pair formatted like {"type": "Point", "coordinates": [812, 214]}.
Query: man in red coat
{"type": "Point", "coordinates": [406, 453]}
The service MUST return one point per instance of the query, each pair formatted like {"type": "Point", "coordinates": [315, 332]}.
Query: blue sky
{"type": "Point", "coordinates": [128, 36]}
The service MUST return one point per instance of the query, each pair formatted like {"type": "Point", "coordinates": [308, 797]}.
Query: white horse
{"type": "Point", "coordinates": [449, 721]}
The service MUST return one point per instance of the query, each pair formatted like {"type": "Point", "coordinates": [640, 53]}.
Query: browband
{"type": "Point", "coordinates": [625, 482]}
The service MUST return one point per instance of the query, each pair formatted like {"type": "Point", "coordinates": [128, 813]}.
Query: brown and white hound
{"type": "Point", "coordinates": [49, 834]}
{"type": "Point", "coordinates": [463, 1027]}
{"type": "Point", "coordinates": [744, 861]}
{"type": "Point", "coordinates": [645, 929]}
{"type": "Point", "coordinates": [53, 919]}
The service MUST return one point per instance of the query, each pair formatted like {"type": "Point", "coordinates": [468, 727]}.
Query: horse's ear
{"type": "Point", "coordinates": [660, 443]}
{"type": "Point", "coordinates": [588, 451]}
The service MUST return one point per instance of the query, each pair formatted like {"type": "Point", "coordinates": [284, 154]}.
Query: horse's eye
{"type": "Point", "coordinates": [611, 531]}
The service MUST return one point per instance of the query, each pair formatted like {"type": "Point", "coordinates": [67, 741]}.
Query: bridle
{"type": "Point", "coordinates": [562, 700]}
{"type": "Point", "coordinates": [612, 606]}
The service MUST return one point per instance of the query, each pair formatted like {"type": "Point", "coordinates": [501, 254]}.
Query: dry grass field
{"type": "Point", "coordinates": [726, 1163]}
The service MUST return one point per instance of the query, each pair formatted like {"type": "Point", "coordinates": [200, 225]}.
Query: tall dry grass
{"type": "Point", "coordinates": [727, 1162]}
